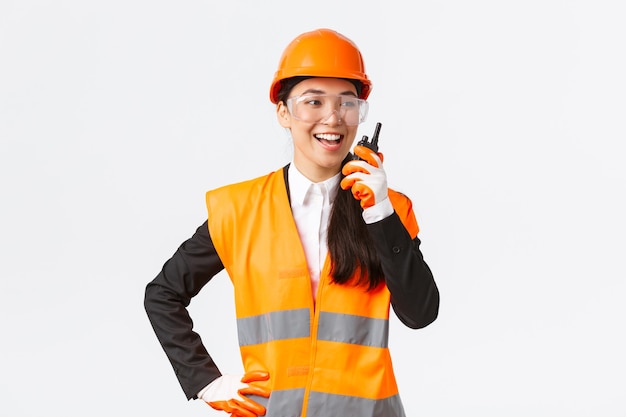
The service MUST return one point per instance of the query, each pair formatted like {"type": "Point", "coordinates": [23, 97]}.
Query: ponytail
{"type": "Point", "coordinates": [350, 244]}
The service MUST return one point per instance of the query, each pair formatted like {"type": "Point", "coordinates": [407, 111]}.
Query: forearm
{"type": "Point", "coordinates": [414, 294]}
{"type": "Point", "coordinates": [172, 325]}
{"type": "Point", "coordinates": [166, 300]}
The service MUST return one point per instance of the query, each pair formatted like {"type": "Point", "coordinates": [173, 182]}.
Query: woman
{"type": "Point", "coordinates": [317, 252]}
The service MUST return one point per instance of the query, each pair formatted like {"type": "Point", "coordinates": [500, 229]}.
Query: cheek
{"type": "Point", "coordinates": [350, 135]}
{"type": "Point", "coordinates": [301, 139]}
{"type": "Point", "coordinates": [299, 132]}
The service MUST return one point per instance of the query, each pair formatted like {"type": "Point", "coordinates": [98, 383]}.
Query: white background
{"type": "Point", "coordinates": [503, 121]}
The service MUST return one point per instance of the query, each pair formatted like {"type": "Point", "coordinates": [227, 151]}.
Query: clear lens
{"type": "Point", "coordinates": [317, 108]}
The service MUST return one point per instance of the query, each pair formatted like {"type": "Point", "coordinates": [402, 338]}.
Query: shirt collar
{"type": "Point", "coordinates": [299, 185]}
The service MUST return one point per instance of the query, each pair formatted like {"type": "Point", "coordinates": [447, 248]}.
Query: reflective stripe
{"type": "Point", "coordinates": [282, 403]}
{"type": "Point", "coordinates": [288, 324]}
{"type": "Point", "coordinates": [277, 325]}
{"type": "Point", "coordinates": [288, 403]}
{"type": "Point", "coordinates": [325, 405]}
{"type": "Point", "coordinates": [358, 330]}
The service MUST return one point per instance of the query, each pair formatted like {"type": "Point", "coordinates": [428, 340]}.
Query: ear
{"type": "Point", "coordinates": [283, 116]}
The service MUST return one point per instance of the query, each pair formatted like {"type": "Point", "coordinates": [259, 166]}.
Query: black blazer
{"type": "Point", "coordinates": [414, 294]}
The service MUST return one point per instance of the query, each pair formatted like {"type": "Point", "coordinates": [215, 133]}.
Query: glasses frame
{"type": "Point", "coordinates": [363, 108]}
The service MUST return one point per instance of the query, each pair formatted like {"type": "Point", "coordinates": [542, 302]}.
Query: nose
{"type": "Point", "coordinates": [333, 119]}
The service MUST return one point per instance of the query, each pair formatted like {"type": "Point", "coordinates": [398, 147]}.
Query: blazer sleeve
{"type": "Point", "coordinates": [166, 300]}
{"type": "Point", "coordinates": [414, 293]}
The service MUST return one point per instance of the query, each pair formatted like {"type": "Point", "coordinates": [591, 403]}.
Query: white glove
{"type": "Point", "coordinates": [227, 393]}
{"type": "Point", "coordinates": [223, 388]}
{"type": "Point", "coordinates": [366, 178]}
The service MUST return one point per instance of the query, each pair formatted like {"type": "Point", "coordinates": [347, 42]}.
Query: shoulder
{"type": "Point", "coordinates": [246, 186]}
{"type": "Point", "coordinates": [241, 196]}
{"type": "Point", "coordinates": [403, 206]}
{"type": "Point", "coordinates": [399, 200]}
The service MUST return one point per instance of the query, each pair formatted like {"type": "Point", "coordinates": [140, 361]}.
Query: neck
{"type": "Point", "coordinates": [316, 174]}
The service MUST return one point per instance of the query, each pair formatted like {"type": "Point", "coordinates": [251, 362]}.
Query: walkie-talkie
{"type": "Point", "coordinates": [373, 145]}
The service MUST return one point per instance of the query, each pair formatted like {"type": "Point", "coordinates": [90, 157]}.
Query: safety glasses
{"type": "Point", "coordinates": [319, 108]}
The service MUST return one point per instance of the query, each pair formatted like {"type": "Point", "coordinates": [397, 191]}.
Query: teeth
{"type": "Point", "coordinates": [328, 136]}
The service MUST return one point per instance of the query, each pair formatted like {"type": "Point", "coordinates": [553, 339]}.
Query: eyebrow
{"type": "Point", "coordinates": [316, 91]}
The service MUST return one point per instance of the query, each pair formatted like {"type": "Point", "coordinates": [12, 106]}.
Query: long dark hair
{"type": "Point", "coordinates": [349, 243]}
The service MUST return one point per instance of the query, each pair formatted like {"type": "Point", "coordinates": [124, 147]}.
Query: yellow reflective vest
{"type": "Point", "coordinates": [326, 360]}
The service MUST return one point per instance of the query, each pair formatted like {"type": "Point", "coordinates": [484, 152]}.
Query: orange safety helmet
{"type": "Point", "coordinates": [321, 53]}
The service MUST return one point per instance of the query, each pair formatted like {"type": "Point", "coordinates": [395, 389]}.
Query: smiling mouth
{"type": "Point", "coordinates": [329, 138]}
